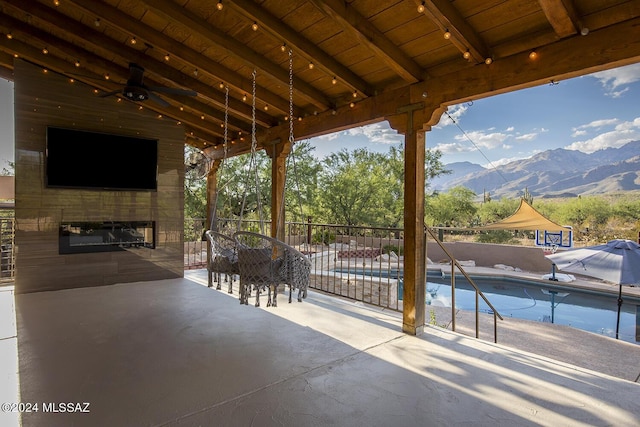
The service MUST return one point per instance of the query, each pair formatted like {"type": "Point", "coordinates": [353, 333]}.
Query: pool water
{"type": "Point", "coordinates": [589, 311]}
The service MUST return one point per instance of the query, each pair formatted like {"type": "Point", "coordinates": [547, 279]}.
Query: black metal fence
{"type": "Point", "coordinates": [361, 263]}
{"type": "Point", "coordinates": [7, 260]}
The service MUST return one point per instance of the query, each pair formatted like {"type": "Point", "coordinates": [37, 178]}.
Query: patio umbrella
{"type": "Point", "coordinates": [617, 261]}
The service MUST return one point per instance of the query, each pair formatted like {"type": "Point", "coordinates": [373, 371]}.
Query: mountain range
{"type": "Point", "coordinates": [551, 173]}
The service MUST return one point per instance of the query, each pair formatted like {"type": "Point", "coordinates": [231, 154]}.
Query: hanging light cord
{"type": "Point", "coordinates": [476, 146]}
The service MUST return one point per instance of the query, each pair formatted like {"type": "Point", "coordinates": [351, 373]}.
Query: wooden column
{"type": "Point", "coordinates": [278, 155]}
{"type": "Point", "coordinates": [414, 235]}
{"type": "Point", "coordinates": [409, 122]}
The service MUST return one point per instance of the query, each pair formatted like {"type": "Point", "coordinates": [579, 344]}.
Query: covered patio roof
{"type": "Point", "coordinates": [353, 62]}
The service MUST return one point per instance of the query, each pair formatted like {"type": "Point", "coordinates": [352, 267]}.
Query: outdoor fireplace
{"type": "Point", "coordinates": [105, 236]}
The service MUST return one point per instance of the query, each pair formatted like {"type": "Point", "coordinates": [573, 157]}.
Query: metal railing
{"type": "Point", "coordinates": [360, 263]}
{"type": "Point", "coordinates": [454, 264]}
{"type": "Point", "coordinates": [7, 259]}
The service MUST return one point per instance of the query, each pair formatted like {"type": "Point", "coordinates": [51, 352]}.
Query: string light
{"type": "Point", "coordinates": [466, 54]}
{"type": "Point", "coordinates": [77, 63]}
{"type": "Point", "coordinates": [133, 40]}
{"type": "Point", "coordinates": [283, 47]}
{"type": "Point", "coordinates": [221, 85]}
{"type": "Point", "coordinates": [311, 65]}
{"type": "Point", "coordinates": [97, 22]}
{"type": "Point", "coordinates": [533, 55]}
{"type": "Point", "coordinates": [56, 2]}
{"type": "Point", "coordinates": [254, 26]}
{"type": "Point", "coordinates": [244, 97]}
{"type": "Point", "coordinates": [219, 6]}
{"type": "Point", "coordinates": [421, 8]}
{"type": "Point", "coordinates": [195, 72]}
{"type": "Point", "coordinates": [106, 76]}
{"type": "Point", "coordinates": [352, 104]}
{"type": "Point", "coordinates": [167, 57]}
{"type": "Point", "coordinates": [334, 80]}
{"type": "Point", "coordinates": [45, 50]}
{"type": "Point", "coordinates": [447, 34]}
{"type": "Point", "coordinates": [488, 60]}
{"type": "Point", "coordinates": [9, 35]}
{"type": "Point", "coordinates": [355, 94]}
{"type": "Point", "coordinates": [266, 107]}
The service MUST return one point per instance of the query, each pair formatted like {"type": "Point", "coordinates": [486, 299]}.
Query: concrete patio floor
{"type": "Point", "coordinates": [175, 352]}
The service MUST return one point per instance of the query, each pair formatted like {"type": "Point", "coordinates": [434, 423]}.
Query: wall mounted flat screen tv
{"type": "Point", "coordinates": [92, 160]}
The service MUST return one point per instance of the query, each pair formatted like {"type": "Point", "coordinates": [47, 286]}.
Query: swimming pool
{"type": "Point", "coordinates": [583, 309]}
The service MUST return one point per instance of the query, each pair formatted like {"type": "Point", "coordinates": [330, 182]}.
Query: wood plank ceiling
{"type": "Point", "coordinates": [353, 62]}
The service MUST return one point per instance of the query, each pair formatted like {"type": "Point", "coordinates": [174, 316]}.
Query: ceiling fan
{"type": "Point", "coordinates": [137, 91]}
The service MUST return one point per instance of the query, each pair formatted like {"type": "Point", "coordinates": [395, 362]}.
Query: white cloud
{"type": "Point", "coordinates": [377, 133]}
{"type": "Point", "coordinates": [613, 79]}
{"type": "Point", "coordinates": [330, 136]}
{"type": "Point", "coordinates": [484, 140]}
{"type": "Point", "coordinates": [452, 148]}
{"type": "Point", "coordinates": [527, 137]}
{"type": "Point", "coordinates": [598, 124]}
{"type": "Point", "coordinates": [621, 134]}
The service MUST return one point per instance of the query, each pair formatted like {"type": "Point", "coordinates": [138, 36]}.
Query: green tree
{"type": "Point", "coordinates": [301, 187]}
{"type": "Point", "coordinates": [588, 213]}
{"type": "Point", "coordinates": [494, 211]}
{"type": "Point", "coordinates": [455, 208]}
{"type": "Point", "coordinates": [353, 188]}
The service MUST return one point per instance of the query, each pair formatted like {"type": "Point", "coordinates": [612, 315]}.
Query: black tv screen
{"type": "Point", "coordinates": [92, 160]}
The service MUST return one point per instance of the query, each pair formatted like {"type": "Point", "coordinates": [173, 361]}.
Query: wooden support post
{"type": "Point", "coordinates": [278, 155]}
{"type": "Point", "coordinates": [415, 247]}
{"type": "Point", "coordinates": [414, 234]}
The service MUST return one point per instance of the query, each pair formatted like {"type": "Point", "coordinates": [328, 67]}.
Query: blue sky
{"type": "Point", "coordinates": [586, 113]}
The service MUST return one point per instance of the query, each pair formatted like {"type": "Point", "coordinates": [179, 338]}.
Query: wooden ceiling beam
{"type": "Point", "coordinates": [59, 65]}
{"type": "Point", "coordinates": [175, 13]}
{"type": "Point", "coordinates": [562, 16]}
{"type": "Point", "coordinates": [610, 47]}
{"type": "Point", "coordinates": [301, 45]}
{"type": "Point", "coordinates": [368, 35]}
{"type": "Point", "coordinates": [125, 23]}
{"type": "Point", "coordinates": [444, 14]}
{"type": "Point", "coordinates": [116, 49]}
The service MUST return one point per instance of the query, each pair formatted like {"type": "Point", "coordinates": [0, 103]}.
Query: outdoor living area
{"type": "Point", "coordinates": [175, 352]}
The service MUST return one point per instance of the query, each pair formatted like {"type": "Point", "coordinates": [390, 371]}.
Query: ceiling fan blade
{"type": "Point", "coordinates": [172, 91]}
{"type": "Point", "coordinates": [113, 92]}
{"type": "Point", "coordinates": [155, 98]}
